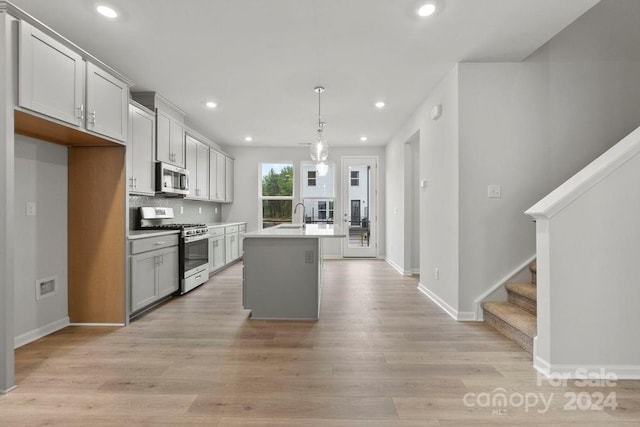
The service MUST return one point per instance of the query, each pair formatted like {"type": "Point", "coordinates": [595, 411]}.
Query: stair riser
{"type": "Point", "coordinates": [509, 331]}
{"type": "Point", "coordinates": [522, 302]}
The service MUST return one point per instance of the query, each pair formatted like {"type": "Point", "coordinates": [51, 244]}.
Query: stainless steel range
{"type": "Point", "coordinates": [193, 245]}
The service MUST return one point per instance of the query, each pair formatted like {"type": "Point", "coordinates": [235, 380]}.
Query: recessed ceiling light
{"type": "Point", "coordinates": [363, 138]}
{"type": "Point", "coordinates": [211, 104]}
{"type": "Point", "coordinates": [426, 9]}
{"type": "Point", "coordinates": [248, 138]}
{"type": "Point", "coordinates": [380, 104]}
{"type": "Point", "coordinates": [106, 11]}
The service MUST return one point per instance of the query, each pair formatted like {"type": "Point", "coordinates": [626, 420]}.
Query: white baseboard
{"type": "Point", "coordinates": [397, 267]}
{"type": "Point", "coordinates": [96, 324]}
{"type": "Point", "coordinates": [478, 301]}
{"type": "Point", "coordinates": [461, 316]}
{"type": "Point", "coordinates": [582, 372]}
{"type": "Point", "coordinates": [38, 333]}
{"type": "Point", "coordinates": [329, 257]}
{"type": "Point", "coordinates": [8, 390]}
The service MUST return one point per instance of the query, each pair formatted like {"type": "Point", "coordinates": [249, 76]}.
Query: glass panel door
{"type": "Point", "coordinates": [359, 189]}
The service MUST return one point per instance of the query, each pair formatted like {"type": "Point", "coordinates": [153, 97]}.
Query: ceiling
{"type": "Point", "coordinates": [260, 60]}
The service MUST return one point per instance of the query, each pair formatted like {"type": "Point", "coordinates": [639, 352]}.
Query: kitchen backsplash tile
{"type": "Point", "coordinates": [191, 209]}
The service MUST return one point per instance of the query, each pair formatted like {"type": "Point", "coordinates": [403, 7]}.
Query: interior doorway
{"type": "Point", "coordinates": [359, 196]}
{"type": "Point", "coordinates": [412, 205]}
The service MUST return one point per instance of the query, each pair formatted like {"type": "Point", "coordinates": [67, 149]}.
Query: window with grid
{"type": "Point", "coordinates": [355, 178]}
{"type": "Point", "coordinates": [275, 192]}
{"type": "Point", "coordinates": [311, 178]}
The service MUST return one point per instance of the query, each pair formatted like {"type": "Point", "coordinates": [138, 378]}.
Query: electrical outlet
{"type": "Point", "coordinates": [30, 209]}
{"type": "Point", "coordinates": [308, 257]}
{"type": "Point", "coordinates": [181, 210]}
{"type": "Point", "coordinates": [436, 273]}
{"type": "Point", "coordinates": [215, 210]}
{"type": "Point", "coordinates": [494, 191]}
{"type": "Point", "coordinates": [200, 210]}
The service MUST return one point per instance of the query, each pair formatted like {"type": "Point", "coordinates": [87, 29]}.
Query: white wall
{"type": "Point", "coordinates": [501, 143]}
{"type": "Point", "coordinates": [247, 159]}
{"type": "Point", "coordinates": [41, 250]}
{"type": "Point", "coordinates": [438, 200]}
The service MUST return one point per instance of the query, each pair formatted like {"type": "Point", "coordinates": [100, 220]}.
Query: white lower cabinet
{"type": "Point", "coordinates": [216, 253]}
{"type": "Point", "coordinates": [154, 272]}
{"type": "Point", "coordinates": [231, 243]}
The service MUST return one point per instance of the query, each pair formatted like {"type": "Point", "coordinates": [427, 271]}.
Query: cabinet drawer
{"type": "Point", "coordinates": [216, 231]}
{"type": "Point", "coordinates": [231, 229]}
{"type": "Point", "coordinates": [152, 243]}
{"type": "Point", "coordinates": [242, 227]}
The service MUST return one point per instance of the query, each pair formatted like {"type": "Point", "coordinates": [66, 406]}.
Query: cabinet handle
{"type": "Point", "coordinates": [92, 118]}
{"type": "Point", "coordinates": [198, 276]}
{"type": "Point", "coordinates": [159, 243]}
{"type": "Point", "coordinates": [81, 112]}
{"type": "Point", "coordinates": [131, 185]}
{"type": "Point", "coordinates": [135, 182]}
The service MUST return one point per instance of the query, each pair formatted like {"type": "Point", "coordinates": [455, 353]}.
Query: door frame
{"type": "Point", "coordinates": [345, 205]}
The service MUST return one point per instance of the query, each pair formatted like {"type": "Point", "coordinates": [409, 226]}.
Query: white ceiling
{"type": "Point", "coordinates": [261, 59]}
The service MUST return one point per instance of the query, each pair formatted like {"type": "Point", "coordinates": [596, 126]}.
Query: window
{"type": "Point", "coordinates": [276, 193]}
{"type": "Point", "coordinates": [355, 178]}
{"type": "Point", "coordinates": [318, 193]}
{"type": "Point", "coordinates": [311, 178]}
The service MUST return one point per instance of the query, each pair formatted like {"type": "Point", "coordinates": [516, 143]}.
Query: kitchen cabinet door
{"type": "Point", "coordinates": [141, 151]}
{"type": "Point", "coordinates": [177, 142]}
{"type": "Point", "coordinates": [143, 280]}
{"type": "Point", "coordinates": [51, 77]}
{"type": "Point", "coordinates": [231, 247]}
{"type": "Point", "coordinates": [191, 148]}
{"type": "Point", "coordinates": [202, 172]}
{"type": "Point", "coordinates": [197, 162]}
{"type": "Point", "coordinates": [170, 142]}
{"type": "Point", "coordinates": [220, 177]}
{"type": "Point", "coordinates": [107, 101]}
{"type": "Point", "coordinates": [163, 137]}
{"type": "Point", "coordinates": [218, 252]}
{"type": "Point", "coordinates": [228, 183]}
{"type": "Point", "coordinates": [167, 273]}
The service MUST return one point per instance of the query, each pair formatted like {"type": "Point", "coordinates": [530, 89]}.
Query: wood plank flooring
{"type": "Point", "coordinates": [381, 355]}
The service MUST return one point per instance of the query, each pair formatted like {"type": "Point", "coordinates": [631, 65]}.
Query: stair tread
{"type": "Point", "coordinates": [527, 290]}
{"type": "Point", "coordinates": [514, 316]}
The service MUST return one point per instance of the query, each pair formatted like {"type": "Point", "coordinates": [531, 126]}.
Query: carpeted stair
{"type": "Point", "coordinates": [516, 317]}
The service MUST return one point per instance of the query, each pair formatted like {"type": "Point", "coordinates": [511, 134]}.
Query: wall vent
{"type": "Point", "coordinates": [46, 287]}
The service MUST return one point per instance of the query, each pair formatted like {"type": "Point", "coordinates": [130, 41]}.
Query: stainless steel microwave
{"type": "Point", "coordinates": [171, 179]}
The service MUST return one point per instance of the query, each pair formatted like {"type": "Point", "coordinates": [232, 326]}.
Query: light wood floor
{"type": "Point", "coordinates": [381, 355]}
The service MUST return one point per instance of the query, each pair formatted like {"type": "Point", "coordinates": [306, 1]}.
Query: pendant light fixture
{"type": "Point", "coordinates": [320, 147]}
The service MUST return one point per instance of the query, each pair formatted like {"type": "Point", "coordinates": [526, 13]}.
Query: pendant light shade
{"type": "Point", "coordinates": [322, 168]}
{"type": "Point", "coordinates": [319, 149]}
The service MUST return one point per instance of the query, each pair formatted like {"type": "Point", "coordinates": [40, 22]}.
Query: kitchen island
{"type": "Point", "coordinates": [282, 276]}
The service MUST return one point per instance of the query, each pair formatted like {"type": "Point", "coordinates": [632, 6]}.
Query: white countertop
{"type": "Point", "coordinates": [287, 230]}
{"type": "Point", "coordinates": [143, 234]}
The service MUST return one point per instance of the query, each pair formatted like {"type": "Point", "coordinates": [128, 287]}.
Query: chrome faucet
{"type": "Point", "coordinates": [295, 209]}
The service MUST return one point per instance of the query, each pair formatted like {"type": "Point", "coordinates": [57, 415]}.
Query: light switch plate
{"type": "Point", "coordinates": [494, 191]}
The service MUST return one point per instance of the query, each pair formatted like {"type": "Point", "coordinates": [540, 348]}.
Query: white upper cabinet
{"type": "Point", "coordinates": [107, 102]}
{"type": "Point", "coordinates": [217, 176]}
{"type": "Point", "coordinates": [170, 129]}
{"type": "Point", "coordinates": [57, 82]}
{"type": "Point", "coordinates": [228, 184]}
{"type": "Point", "coordinates": [198, 167]}
{"type": "Point", "coordinates": [140, 152]}
{"type": "Point", "coordinates": [51, 77]}
{"type": "Point", "coordinates": [203, 171]}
